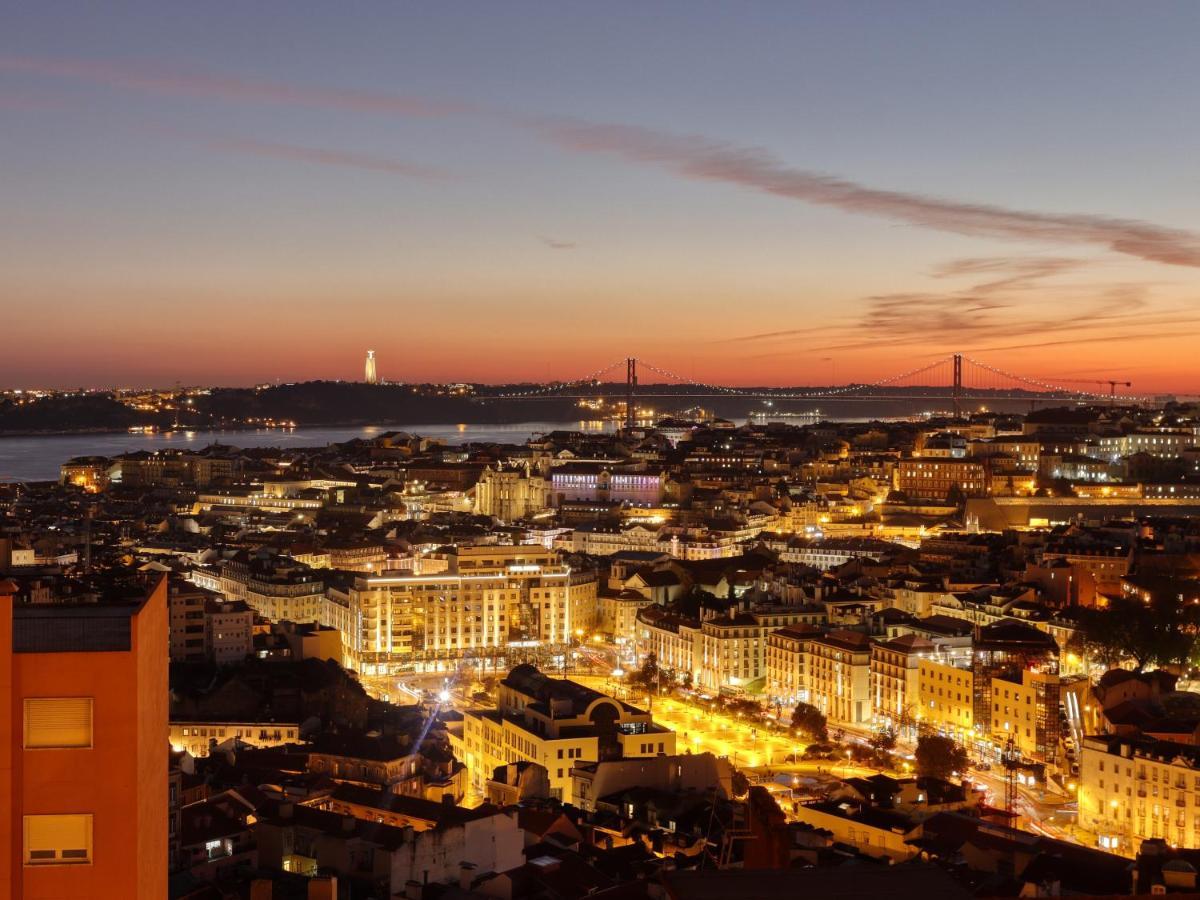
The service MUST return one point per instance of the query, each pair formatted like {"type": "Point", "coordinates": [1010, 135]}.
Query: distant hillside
{"type": "Point", "coordinates": [95, 412]}
{"type": "Point", "coordinates": [354, 403]}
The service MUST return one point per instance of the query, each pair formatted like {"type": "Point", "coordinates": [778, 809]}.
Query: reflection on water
{"type": "Point", "coordinates": [38, 458]}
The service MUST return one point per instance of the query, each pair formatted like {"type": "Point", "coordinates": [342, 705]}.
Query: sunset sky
{"type": "Point", "coordinates": [750, 193]}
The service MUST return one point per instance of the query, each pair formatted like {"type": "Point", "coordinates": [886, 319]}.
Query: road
{"type": "Point", "coordinates": [766, 756]}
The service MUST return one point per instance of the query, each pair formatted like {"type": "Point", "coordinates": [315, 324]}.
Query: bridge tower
{"type": "Point", "coordinates": [630, 388]}
{"type": "Point", "coordinates": [957, 384]}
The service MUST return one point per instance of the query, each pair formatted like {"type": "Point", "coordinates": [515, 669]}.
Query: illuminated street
{"type": "Point", "coordinates": [701, 730]}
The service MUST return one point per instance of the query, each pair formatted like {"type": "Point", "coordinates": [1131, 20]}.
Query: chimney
{"type": "Point", "coordinates": [466, 874]}
{"type": "Point", "coordinates": [412, 890]}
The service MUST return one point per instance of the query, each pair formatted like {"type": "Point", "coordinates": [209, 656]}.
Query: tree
{"type": "Point", "coordinates": [743, 706]}
{"type": "Point", "coordinates": [810, 721]}
{"type": "Point", "coordinates": [883, 742]}
{"type": "Point", "coordinates": [939, 756]}
{"type": "Point", "coordinates": [647, 675]}
{"type": "Point", "coordinates": [906, 722]}
{"type": "Point", "coordinates": [1160, 631]}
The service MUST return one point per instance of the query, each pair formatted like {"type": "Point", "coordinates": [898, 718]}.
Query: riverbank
{"type": "Point", "coordinates": [38, 457]}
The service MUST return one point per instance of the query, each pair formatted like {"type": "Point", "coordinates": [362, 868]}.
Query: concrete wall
{"type": "Point", "coordinates": [494, 844]}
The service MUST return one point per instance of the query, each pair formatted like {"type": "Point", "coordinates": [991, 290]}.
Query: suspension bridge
{"type": "Point", "coordinates": [957, 379]}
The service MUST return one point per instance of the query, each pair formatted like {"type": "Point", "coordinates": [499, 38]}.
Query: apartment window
{"type": "Point", "coordinates": [58, 840]}
{"type": "Point", "coordinates": [52, 722]}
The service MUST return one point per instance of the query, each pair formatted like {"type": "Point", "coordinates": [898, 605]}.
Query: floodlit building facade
{"type": "Point", "coordinates": [938, 478]}
{"type": "Point", "coordinates": [488, 601]}
{"type": "Point", "coordinates": [511, 494]}
{"type": "Point", "coordinates": [839, 676]}
{"type": "Point", "coordinates": [557, 724]}
{"type": "Point", "coordinates": [895, 678]}
{"type": "Point", "coordinates": [1132, 789]}
{"type": "Point", "coordinates": [787, 664]}
{"type": "Point", "coordinates": [946, 697]}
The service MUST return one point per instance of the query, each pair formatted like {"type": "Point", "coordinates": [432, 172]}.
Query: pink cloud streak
{"type": "Point", "coordinates": [155, 80]}
{"type": "Point", "coordinates": [323, 156]}
{"type": "Point", "coordinates": [705, 160]}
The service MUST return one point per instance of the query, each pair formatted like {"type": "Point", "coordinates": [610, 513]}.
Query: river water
{"type": "Point", "coordinates": [38, 458]}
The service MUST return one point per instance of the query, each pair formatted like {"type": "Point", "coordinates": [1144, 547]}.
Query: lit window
{"type": "Point", "coordinates": [58, 722]}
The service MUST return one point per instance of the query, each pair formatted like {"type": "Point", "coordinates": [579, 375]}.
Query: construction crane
{"type": "Point", "coordinates": [1112, 383]}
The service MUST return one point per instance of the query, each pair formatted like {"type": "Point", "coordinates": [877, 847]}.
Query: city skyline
{"type": "Point", "coordinates": [623, 451]}
{"type": "Point", "coordinates": [767, 197]}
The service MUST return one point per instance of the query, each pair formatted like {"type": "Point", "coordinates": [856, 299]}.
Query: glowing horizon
{"type": "Point", "coordinates": [528, 194]}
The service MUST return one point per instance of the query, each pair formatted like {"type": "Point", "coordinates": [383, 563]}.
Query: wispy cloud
{"type": "Point", "coordinates": [1121, 312]}
{"type": "Point", "coordinates": [169, 82]}
{"type": "Point", "coordinates": [330, 157]}
{"type": "Point", "coordinates": [1016, 304]}
{"type": "Point", "coordinates": [1010, 273]}
{"type": "Point", "coordinates": [22, 102]}
{"type": "Point", "coordinates": [1099, 339]}
{"type": "Point", "coordinates": [754, 168]}
{"type": "Point", "coordinates": [692, 157]}
{"type": "Point", "coordinates": [557, 244]}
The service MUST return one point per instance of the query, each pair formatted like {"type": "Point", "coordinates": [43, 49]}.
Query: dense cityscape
{"type": "Point", "coordinates": [623, 451]}
{"type": "Point", "coordinates": [618, 662]}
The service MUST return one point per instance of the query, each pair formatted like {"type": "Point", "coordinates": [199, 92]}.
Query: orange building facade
{"type": "Point", "coordinates": [83, 749]}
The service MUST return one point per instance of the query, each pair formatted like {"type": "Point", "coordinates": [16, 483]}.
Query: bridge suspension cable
{"type": "Point", "coordinates": [689, 381]}
{"type": "Point", "coordinates": [850, 388]}
{"type": "Point", "coordinates": [559, 385]}
{"type": "Point", "coordinates": [798, 395]}
{"type": "Point", "coordinates": [1038, 383]}
{"type": "Point", "coordinates": [963, 388]}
